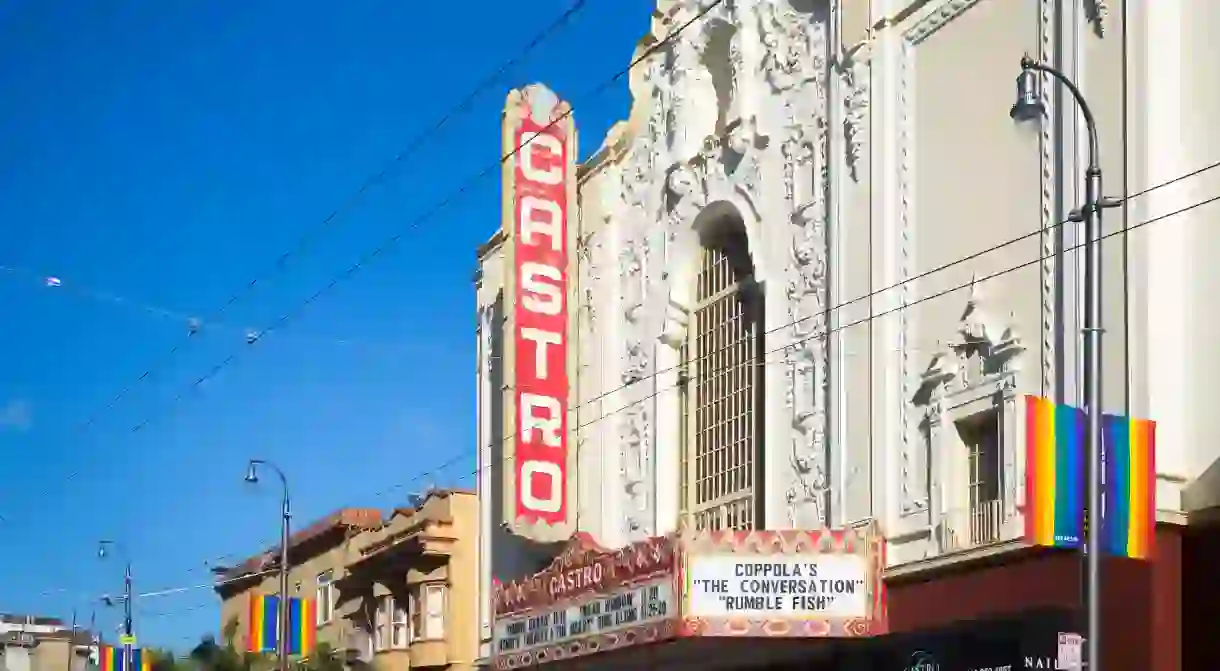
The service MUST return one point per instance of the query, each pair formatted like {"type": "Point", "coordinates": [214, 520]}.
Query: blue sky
{"type": "Point", "coordinates": [155, 157]}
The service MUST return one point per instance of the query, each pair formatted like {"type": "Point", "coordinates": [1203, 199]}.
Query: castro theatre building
{"type": "Point", "coordinates": [699, 450]}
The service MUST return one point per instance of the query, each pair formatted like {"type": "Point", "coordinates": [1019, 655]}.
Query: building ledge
{"type": "Point", "coordinates": [943, 561]}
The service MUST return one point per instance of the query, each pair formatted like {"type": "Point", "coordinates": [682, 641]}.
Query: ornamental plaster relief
{"type": "Point", "coordinates": [796, 63]}
{"type": "Point", "coordinates": [974, 372]}
{"type": "Point", "coordinates": [634, 422]}
{"type": "Point", "coordinates": [1098, 12]}
{"type": "Point", "coordinates": [852, 67]}
{"type": "Point", "coordinates": [673, 162]}
{"type": "Point", "coordinates": [642, 285]}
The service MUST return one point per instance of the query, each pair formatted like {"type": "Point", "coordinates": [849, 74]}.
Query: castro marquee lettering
{"type": "Point", "coordinates": [540, 311]}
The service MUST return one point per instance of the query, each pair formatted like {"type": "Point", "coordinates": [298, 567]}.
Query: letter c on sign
{"type": "Point", "coordinates": [551, 504]}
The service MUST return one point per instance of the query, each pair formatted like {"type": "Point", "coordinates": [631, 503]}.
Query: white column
{"type": "Point", "coordinates": [1167, 244]}
{"type": "Point", "coordinates": [484, 487]}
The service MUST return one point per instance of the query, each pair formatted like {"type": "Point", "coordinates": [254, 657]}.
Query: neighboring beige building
{"type": "Point", "coordinates": [398, 592]}
{"type": "Point", "coordinates": [811, 275]}
{"type": "Point", "coordinates": [30, 643]}
{"type": "Point", "coordinates": [317, 555]}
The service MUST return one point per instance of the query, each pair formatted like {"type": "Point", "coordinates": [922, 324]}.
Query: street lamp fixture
{"type": "Point", "coordinates": [285, 527]}
{"type": "Point", "coordinates": [1028, 105]}
{"type": "Point", "coordinates": [103, 550]}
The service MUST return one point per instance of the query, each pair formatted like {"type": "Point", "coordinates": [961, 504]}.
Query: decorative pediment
{"type": "Point", "coordinates": [981, 350]}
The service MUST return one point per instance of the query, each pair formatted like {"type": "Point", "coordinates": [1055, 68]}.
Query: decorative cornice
{"type": "Point", "coordinates": [1049, 189]}
{"type": "Point", "coordinates": [936, 19]}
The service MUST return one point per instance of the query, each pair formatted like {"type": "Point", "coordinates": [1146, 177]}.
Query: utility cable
{"type": "Point", "coordinates": [879, 315]}
{"type": "Point", "coordinates": [194, 325]}
{"type": "Point", "coordinates": [871, 294]}
{"type": "Point", "coordinates": [390, 243]}
{"type": "Point", "coordinates": [310, 236]}
{"type": "Point", "coordinates": [828, 331]}
{"type": "Point", "coordinates": [280, 323]}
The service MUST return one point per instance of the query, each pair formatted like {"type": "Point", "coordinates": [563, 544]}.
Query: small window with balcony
{"type": "Point", "coordinates": [980, 436]}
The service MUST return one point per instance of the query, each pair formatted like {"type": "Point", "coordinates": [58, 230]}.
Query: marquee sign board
{"type": "Point", "coordinates": [539, 198]}
{"type": "Point", "coordinates": [784, 583]}
{"type": "Point", "coordinates": [589, 600]}
{"type": "Point", "coordinates": [607, 616]}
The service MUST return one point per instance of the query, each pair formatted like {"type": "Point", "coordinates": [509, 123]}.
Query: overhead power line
{"type": "Point", "coordinates": [780, 349]}
{"type": "Point", "coordinates": [282, 321]}
{"type": "Point", "coordinates": [456, 459]}
{"type": "Point", "coordinates": [842, 305]}
{"type": "Point", "coordinates": [390, 243]}
{"type": "Point", "coordinates": [311, 235]}
{"type": "Point", "coordinates": [193, 325]}
{"type": "Point", "coordinates": [885, 313]}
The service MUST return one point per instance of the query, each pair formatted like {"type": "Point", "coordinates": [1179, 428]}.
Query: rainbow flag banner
{"type": "Point", "coordinates": [1055, 480]}
{"type": "Point", "coordinates": [1054, 473]}
{"type": "Point", "coordinates": [262, 631]}
{"type": "Point", "coordinates": [111, 659]}
{"type": "Point", "coordinates": [1129, 487]}
{"type": "Point", "coordinates": [302, 626]}
{"type": "Point", "coordinates": [262, 626]}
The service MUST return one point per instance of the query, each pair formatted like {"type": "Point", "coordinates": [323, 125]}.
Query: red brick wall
{"type": "Point", "coordinates": [1141, 601]}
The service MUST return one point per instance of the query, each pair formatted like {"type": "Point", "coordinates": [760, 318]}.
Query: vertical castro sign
{"type": "Point", "coordinates": [542, 175]}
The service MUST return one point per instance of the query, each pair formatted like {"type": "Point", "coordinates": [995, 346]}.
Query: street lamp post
{"type": "Point", "coordinates": [127, 597]}
{"type": "Point", "coordinates": [285, 525]}
{"type": "Point", "coordinates": [1027, 107]}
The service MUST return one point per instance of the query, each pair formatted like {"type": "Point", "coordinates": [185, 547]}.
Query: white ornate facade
{"type": "Point", "coordinates": [909, 246]}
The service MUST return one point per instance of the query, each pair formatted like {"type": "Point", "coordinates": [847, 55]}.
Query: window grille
{"type": "Point", "coordinates": [723, 391]}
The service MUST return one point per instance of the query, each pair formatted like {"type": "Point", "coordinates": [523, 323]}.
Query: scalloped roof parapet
{"type": "Point", "coordinates": [793, 541]}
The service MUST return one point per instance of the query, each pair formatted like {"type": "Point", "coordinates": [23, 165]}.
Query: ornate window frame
{"type": "Point", "coordinates": [973, 377]}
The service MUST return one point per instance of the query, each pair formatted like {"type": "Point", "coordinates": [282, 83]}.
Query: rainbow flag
{"type": "Point", "coordinates": [1054, 473]}
{"type": "Point", "coordinates": [1129, 488]}
{"type": "Point", "coordinates": [111, 659]}
{"type": "Point", "coordinates": [262, 627]}
{"type": "Point", "coordinates": [302, 626]}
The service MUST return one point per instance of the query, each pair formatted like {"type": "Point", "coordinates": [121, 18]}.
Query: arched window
{"type": "Point", "coordinates": [723, 395]}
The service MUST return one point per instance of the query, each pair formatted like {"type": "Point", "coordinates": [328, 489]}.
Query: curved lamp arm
{"type": "Point", "coordinates": [252, 476]}
{"type": "Point", "coordinates": [1028, 63]}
